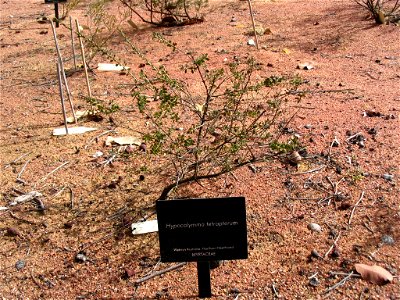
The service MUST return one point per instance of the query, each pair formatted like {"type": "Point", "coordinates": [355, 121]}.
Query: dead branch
{"type": "Point", "coordinates": [340, 283]}
{"type": "Point", "coordinates": [52, 172]}
{"type": "Point", "coordinates": [23, 169]}
{"type": "Point", "coordinates": [97, 136]}
{"type": "Point", "coordinates": [35, 280]}
{"type": "Point", "coordinates": [354, 208]}
{"type": "Point", "coordinates": [17, 159]}
{"type": "Point", "coordinates": [310, 171]}
{"type": "Point", "coordinates": [158, 273]}
{"type": "Point", "coordinates": [21, 219]}
{"type": "Point", "coordinates": [71, 197]}
{"type": "Point", "coordinates": [333, 245]}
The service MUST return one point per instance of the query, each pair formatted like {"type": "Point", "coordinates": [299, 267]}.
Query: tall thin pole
{"type": "Point", "coordinates": [254, 24]}
{"type": "Point", "coordinates": [72, 41]}
{"type": "Point", "coordinates": [83, 59]}
{"type": "Point", "coordinates": [56, 13]}
{"type": "Point", "coordinates": [62, 96]}
{"type": "Point", "coordinates": [63, 71]}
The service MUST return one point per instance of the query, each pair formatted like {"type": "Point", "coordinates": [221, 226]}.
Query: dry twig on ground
{"type": "Point", "coordinates": [354, 208]}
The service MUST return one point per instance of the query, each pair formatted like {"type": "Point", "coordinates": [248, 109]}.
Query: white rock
{"type": "Point", "coordinates": [314, 227]}
{"type": "Point", "coordinates": [251, 42]}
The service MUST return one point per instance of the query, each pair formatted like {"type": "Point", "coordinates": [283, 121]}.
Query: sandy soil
{"type": "Point", "coordinates": [88, 209]}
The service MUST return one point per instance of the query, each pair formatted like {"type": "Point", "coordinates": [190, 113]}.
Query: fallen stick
{"type": "Point", "coordinates": [17, 159]}
{"type": "Point", "coordinates": [344, 274]}
{"type": "Point", "coordinates": [340, 283]}
{"type": "Point", "coordinates": [63, 71]}
{"type": "Point", "coordinates": [52, 172]}
{"type": "Point", "coordinates": [23, 169]}
{"type": "Point", "coordinates": [83, 59]}
{"type": "Point", "coordinates": [25, 197]}
{"type": "Point", "coordinates": [62, 97]}
{"type": "Point", "coordinates": [72, 41]}
{"type": "Point", "coordinates": [310, 171]}
{"type": "Point", "coordinates": [275, 290]}
{"type": "Point", "coordinates": [158, 273]}
{"type": "Point", "coordinates": [254, 24]}
{"type": "Point", "coordinates": [71, 197]}
{"type": "Point", "coordinates": [354, 208]}
{"type": "Point", "coordinates": [100, 135]}
{"type": "Point", "coordinates": [21, 219]}
{"type": "Point", "coordinates": [333, 245]}
{"type": "Point", "coordinates": [35, 281]}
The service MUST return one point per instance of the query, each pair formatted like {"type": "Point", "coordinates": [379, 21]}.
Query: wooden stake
{"type": "Point", "coordinates": [62, 96]}
{"type": "Point", "coordinates": [83, 59]}
{"type": "Point", "coordinates": [64, 77]}
{"type": "Point", "coordinates": [72, 41]}
{"type": "Point", "coordinates": [254, 24]}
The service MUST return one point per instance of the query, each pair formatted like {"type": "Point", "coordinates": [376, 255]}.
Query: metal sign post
{"type": "Point", "coordinates": [57, 17]}
{"type": "Point", "coordinates": [204, 279]}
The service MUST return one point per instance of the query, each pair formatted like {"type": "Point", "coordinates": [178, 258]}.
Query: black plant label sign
{"type": "Point", "coordinates": [202, 229]}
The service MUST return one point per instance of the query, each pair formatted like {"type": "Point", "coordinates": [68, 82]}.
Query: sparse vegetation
{"type": "Point", "coordinates": [167, 13]}
{"type": "Point", "coordinates": [383, 11]}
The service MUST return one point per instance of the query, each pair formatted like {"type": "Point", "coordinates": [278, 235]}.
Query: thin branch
{"type": "Point", "coordinates": [52, 172]}
{"type": "Point", "coordinates": [333, 245]}
{"type": "Point", "coordinates": [340, 283]}
{"type": "Point", "coordinates": [100, 135]}
{"type": "Point", "coordinates": [310, 171]}
{"type": "Point", "coordinates": [195, 177]}
{"type": "Point", "coordinates": [17, 159]}
{"type": "Point", "coordinates": [158, 273]}
{"type": "Point", "coordinates": [23, 169]}
{"type": "Point", "coordinates": [354, 208]}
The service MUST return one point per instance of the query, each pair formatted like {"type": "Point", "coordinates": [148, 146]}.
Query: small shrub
{"type": "Point", "coordinates": [383, 11]}
{"type": "Point", "coordinates": [167, 13]}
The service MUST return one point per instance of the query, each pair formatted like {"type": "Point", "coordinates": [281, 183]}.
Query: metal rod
{"type": "Point", "coordinates": [83, 59]}
{"type": "Point", "coordinates": [254, 24]}
{"type": "Point", "coordinates": [63, 72]}
{"type": "Point", "coordinates": [62, 96]}
{"type": "Point", "coordinates": [72, 41]}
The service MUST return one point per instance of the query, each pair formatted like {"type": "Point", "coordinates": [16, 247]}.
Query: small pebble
{"type": "Point", "coordinates": [308, 126]}
{"type": "Point", "coordinates": [20, 264]}
{"type": "Point", "coordinates": [142, 147]}
{"type": "Point", "coordinates": [314, 281]}
{"type": "Point", "coordinates": [314, 253]}
{"type": "Point", "coordinates": [336, 252]}
{"type": "Point", "coordinates": [314, 227]}
{"type": "Point", "coordinates": [372, 131]}
{"type": "Point", "coordinates": [129, 149]}
{"type": "Point", "coordinates": [11, 231]}
{"type": "Point", "coordinates": [387, 239]}
{"type": "Point", "coordinates": [80, 257]}
{"type": "Point", "coordinates": [388, 177]}
{"type": "Point", "coordinates": [251, 42]}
